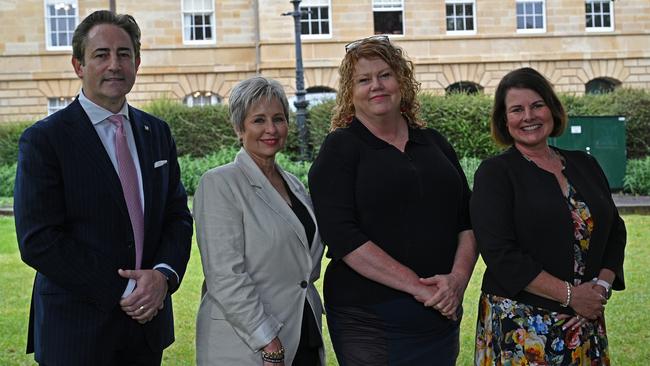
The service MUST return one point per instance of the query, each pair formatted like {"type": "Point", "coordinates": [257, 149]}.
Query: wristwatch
{"type": "Point", "coordinates": [604, 284]}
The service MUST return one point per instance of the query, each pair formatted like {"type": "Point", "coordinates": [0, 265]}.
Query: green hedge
{"type": "Point", "coordinates": [637, 176]}
{"type": "Point", "coordinates": [7, 179]}
{"type": "Point", "coordinates": [198, 131]}
{"type": "Point", "coordinates": [9, 135]}
{"type": "Point", "coordinates": [192, 169]}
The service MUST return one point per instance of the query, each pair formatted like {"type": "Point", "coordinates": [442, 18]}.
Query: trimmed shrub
{"type": "Point", "coordinates": [192, 169]}
{"type": "Point", "coordinates": [198, 131]}
{"type": "Point", "coordinates": [7, 179]}
{"type": "Point", "coordinates": [463, 119]}
{"type": "Point", "coordinates": [637, 176]}
{"type": "Point", "coordinates": [9, 136]}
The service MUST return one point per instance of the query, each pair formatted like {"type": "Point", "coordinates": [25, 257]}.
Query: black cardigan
{"type": "Point", "coordinates": [523, 225]}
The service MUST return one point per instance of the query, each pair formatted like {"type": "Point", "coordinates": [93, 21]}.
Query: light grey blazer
{"type": "Point", "coordinates": [256, 260]}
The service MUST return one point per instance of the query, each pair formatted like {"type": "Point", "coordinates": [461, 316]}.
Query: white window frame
{"type": "Point", "coordinates": [48, 17]}
{"type": "Point", "coordinates": [317, 4]}
{"type": "Point", "coordinates": [533, 30]}
{"type": "Point", "coordinates": [56, 104]}
{"type": "Point", "coordinates": [611, 17]}
{"type": "Point", "coordinates": [462, 32]}
{"type": "Point", "coordinates": [202, 98]}
{"type": "Point", "coordinates": [387, 6]}
{"type": "Point", "coordinates": [194, 8]}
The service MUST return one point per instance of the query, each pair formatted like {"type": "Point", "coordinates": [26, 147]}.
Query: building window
{"type": "Point", "coordinates": [200, 99]}
{"type": "Point", "coordinates": [530, 16]}
{"type": "Point", "coordinates": [56, 104]}
{"type": "Point", "coordinates": [60, 22]}
{"type": "Point", "coordinates": [388, 16]}
{"type": "Point", "coordinates": [460, 16]}
{"type": "Point", "coordinates": [599, 15]}
{"type": "Point", "coordinates": [315, 20]}
{"type": "Point", "coordinates": [198, 21]}
{"type": "Point", "coordinates": [466, 87]}
{"type": "Point", "coordinates": [601, 86]}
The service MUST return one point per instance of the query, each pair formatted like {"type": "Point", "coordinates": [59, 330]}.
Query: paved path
{"type": "Point", "coordinates": [627, 204]}
{"type": "Point", "coordinates": [630, 204]}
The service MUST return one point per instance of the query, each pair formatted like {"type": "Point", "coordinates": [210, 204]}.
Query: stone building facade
{"type": "Point", "coordinates": [194, 51]}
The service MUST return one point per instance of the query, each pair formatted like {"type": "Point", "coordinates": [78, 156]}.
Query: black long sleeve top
{"type": "Point", "coordinates": [523, 225]}
{"type": "Point", "coordinates": [411, 204]}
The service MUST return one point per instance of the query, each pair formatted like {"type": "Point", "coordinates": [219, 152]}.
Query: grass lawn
{"type": "Point", "coordinates": [628, 312]}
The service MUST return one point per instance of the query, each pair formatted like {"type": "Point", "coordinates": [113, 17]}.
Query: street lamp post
{"type": "Point", "coordinates": [301, 103]}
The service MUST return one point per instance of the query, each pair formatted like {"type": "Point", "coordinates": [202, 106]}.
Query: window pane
{"type": "Point", "coordinates": [597, 7]}
{"type": "Point", "coordinates": [590, 22]}
{"type": "Point", "coordinates": [450, 10]}
{"type": "Point", "coordinates": [539, 22]}
{"type": "Point", "coordinates": [529, 8]}
{"type": "Point", "coordinates": [605, 7]}
{"type": "Point", "coordinates": [450, 24]}
{"type": "Point", "coordinates": [598, 20]}
{"type": "Point", "coordinates": [520, 8]}
{"type": "Point", "coordinates": [469, 10]}
{"type": "Point", "coordinates": [538, 8]}
{"type": "Point", "coordinates": [607, 21]}
{"type": "Point", "coordinates": [520, 23]}
{"type": "Point", "coordinates": [459, 24]}
{"type": "Point", "coordinates": [469, 24]}
{"type": "Point", "coordinates": [316, 21]}
{"type": "Point", "coordinates": [388, 22]}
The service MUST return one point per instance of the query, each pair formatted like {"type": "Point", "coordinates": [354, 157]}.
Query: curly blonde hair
{"type": "Point", "coordinates": [395, 57]}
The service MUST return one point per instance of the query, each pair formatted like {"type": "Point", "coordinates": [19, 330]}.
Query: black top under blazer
{"type": "Point", "coordinates": [523, 224]}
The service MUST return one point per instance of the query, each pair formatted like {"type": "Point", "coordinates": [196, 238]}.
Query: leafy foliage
{"type": "Point", "coordinates": [198, 131]}
{"type": "Point", "coordinates": [637, 176]}
{"type": "Point", "coordinates": [9, 135]}
{"type": "Point", "coordinates": [7, 178]}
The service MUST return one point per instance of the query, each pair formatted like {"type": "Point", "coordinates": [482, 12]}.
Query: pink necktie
{"type": "Point", "coordinates": [130, 187]}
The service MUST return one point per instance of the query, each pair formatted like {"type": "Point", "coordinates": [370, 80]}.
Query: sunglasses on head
{"type": "Point", "coordinates": [352, 45]}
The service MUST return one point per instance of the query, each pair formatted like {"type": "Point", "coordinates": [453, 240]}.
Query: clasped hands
{"type": "Point", "coordinates": [443, 293]}
{"type": "Point", "coordinates": [148, 296]}
{"type": "Point", "coordinates": [588, 301]}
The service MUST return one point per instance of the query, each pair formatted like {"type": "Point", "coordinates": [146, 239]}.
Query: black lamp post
{"type": "Point", "coordinates": [301, 103]}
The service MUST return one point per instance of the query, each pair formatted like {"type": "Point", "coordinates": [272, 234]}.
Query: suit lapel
{"type": "Point", "coordinates": [269, 195]}
{"type": "Point", "coordinates": [85, 137]}
{"type": "Point", "coordinates": [142, 137]}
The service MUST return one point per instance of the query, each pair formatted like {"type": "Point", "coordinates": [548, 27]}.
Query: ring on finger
{"type": "Point", "coordinates": [141, 308]}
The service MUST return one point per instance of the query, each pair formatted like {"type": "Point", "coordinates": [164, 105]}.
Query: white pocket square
{"type": "Point", "coordinates": [159, 163]}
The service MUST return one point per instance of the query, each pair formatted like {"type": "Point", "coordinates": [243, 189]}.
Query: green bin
{"type": "Point", "coordinates": [601, 136]}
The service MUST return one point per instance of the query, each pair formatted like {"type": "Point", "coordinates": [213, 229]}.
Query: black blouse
{"type": "Point", "coordinates": [411, 204]}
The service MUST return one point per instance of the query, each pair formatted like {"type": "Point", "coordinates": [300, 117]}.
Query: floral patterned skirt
{"type": "Point", "coordinates": [509, 333]}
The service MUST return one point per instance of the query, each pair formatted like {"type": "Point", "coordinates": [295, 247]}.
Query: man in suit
{"type": "Point", "coordinates": [101, 213]}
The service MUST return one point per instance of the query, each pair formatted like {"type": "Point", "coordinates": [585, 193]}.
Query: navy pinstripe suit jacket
{"type": "Point", "coordinates": [73, 227]}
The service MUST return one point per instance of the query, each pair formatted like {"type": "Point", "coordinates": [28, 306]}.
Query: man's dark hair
{"type": "Point", "coordinates": [124, 21]}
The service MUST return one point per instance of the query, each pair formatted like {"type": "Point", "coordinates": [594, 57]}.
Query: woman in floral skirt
{"type": "Point", "coordinates": [549, 233]}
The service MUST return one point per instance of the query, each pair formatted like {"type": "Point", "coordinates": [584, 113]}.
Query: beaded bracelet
{"type": "Point", "coordinates": [273, 356]}
{"type": "Point", "coordinates": [568, 295]}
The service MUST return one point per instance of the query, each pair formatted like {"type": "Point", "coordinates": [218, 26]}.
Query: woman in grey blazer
{"type": "Point", "coordinates": [259, 246]}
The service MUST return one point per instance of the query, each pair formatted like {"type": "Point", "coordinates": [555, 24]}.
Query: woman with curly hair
{"type": "Point", "coordinates": [392, 204]}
